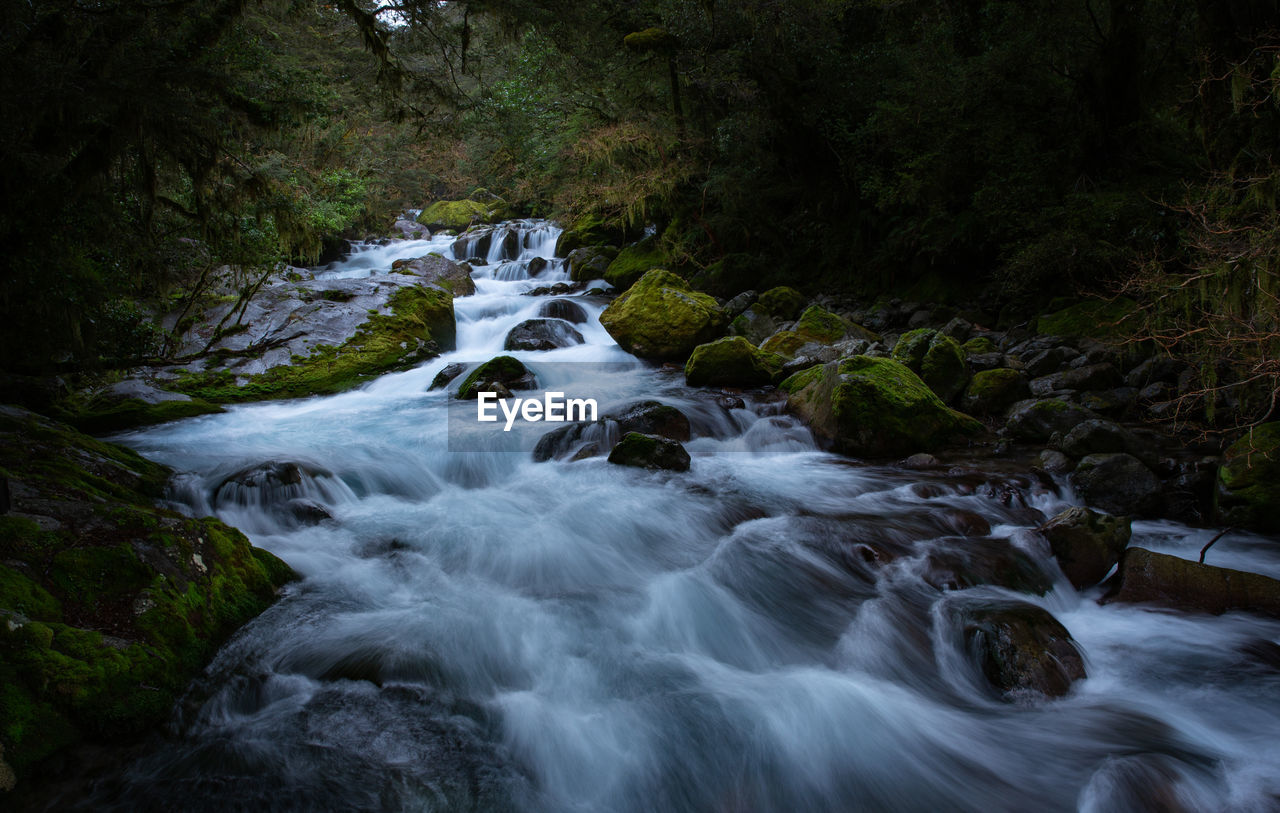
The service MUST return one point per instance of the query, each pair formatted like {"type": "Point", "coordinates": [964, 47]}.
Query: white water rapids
{"type": "Point", "coordinates": [477, 631]}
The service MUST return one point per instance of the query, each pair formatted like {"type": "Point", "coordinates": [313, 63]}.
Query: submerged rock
{"type": "Point", "coordinates": [450, 372]}
{"type": "Point", "coordinates": [1021, 649]}
{"type": "Point", "coordinates": [660, 318]}
{"type": "Point", "coordinates": [873, 407]}
{"type": "Point", "coordinates": [1086, 543]}
{"type": "Point", "coordinates": [542, 334]}
{"type": "Point", "coordinates": [649, 452]}
{"type": "Point", "coordinates": [565, 309]}
{"type": "Point", "coordinates": [1156, 578]}
{"type": "Point", "coordinates": [505, 371]}
{"type": "Point", "coordinates": [109, 606]}
{"type": "Point", "coordinates": [733, 362]}
{"type": "Point", "coordinates": [1248, 485]}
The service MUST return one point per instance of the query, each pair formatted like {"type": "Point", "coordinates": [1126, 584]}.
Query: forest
{"type": "Point", "coordinates": [1004, 153]}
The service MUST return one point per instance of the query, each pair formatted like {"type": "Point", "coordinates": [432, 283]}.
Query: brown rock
{"type": "Point", "coordinates": [1157, 578]}
{"type": "Point", "coordinates": [1086, 543]}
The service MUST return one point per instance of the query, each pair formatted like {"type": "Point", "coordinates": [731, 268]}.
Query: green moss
{"type": "Point", "coordinates": [101, 417]}
{"type": "Point", "coordinates": [733, 362]}
{"type": "Point", "coordinates": [1095, 318]}
{"type": "Point", "coordinates": [633, 261]}
{"type": "Point", "coordinates": [462, 214]}
{"type": "Point", "coordinates": [650, 39]}
{"type": "Point", "coordinates": [661, 318]}
{"type": "Point", "coordinates": [420, 325]}
{"type": "Point", "coordinates": [874, 407]}
{"type": "Point", "coordinates": [781, 302]}
{"type": "Point", "coordinates": [936, 358]}
{"type": "Point", "coordinates": [992, 391]}
{"type": "Point", "coordinates": [21, 594]}
{"type": "Point", "coordinates": [1248, 491]}
{"type": "Point", "coordinates": [978, 345]}
{"type": "Point", "coordinates": [820, 325]}
{"type": "Point", "coordinates": [503, 369]}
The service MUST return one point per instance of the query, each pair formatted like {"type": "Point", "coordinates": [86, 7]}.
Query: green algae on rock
{"type": "Point", "coordinates": [462, 214]}
{"type": "Point", "coordinates": [1248, 489]}
{"type": "Point", "coordinates": [993, 391]}
{"type": "Point", "coordinates": [1097, 318]}
{"type": "Point", "coordinates": [731, 362]}
{"type": "Point", "coordinates": [661, 318]}
{"type": "Point", "coordinates": [108, 604]}
{"type": "Point", "coordinates": [936, 358]}
{"type": "Point", "coordinates": [633, 261]}
{"type": "Point", "coordinates": [874, 407]}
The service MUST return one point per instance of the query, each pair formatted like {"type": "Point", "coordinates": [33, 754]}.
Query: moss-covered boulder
{"type": "Point", "coordinates": [991, 392]}
{"type": "Point", "coordinates": [649, 452]}
{"type": "Point", "coordinates": [1248, 490]}
{"type": "Point", "coordinates": [936, 358]}
{"type": "Point", "coordinates": [504, 370]}
{"type": "Point", "coordinates": [413, 324]}
{"type": "Point", "coordinates": [661, 318]}
{"type": "Point", "coordinates": [816, 325]}
{"type": "Point", "coordinates": [436, 269]}
{"type": "Point", "coordinates": [109, 605]}
{"type": "Point", "coordinates": [978, 346]}
{"type": "Point", "coordinates": [1097, 318]}
{"type": "Point", "coordinates": [782, 303]}
{"type": "Point", "coordinates": [1156, 578]}
{"type": "Point", "coordinates": [731, 362]}
{"type": "Point", "coordinates": [1086, 543]}
{"type": "Point", "coordinates": [460, 215]}
{"type": "Point", "coordinates": [587, 230]}
{"type": "Point", "coordinates": [633, 261]}
{"type": "Point", "coordinates": [874, 407]}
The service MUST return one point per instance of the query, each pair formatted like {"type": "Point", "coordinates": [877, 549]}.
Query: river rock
{"type": "Point", "coordinates": [870, 407]}
{"type": "Point", "coordinates": [580, 440]}
{"type": "Point", "coordinates": [740, 303]}
{"type": "Point", "coordinates": [435, 269]}
{"type": "Point", "coordinates": [589, 262]}
{"type": "Point", "coordinates": [651, 418]}
{"type": "Point", "coordinates": [818, 325]}
{"type": "Point", "coordinates": [992, 392]}
{"type": "Point", "coordinates": [1248, 484]}
{"type": "Point", "coordinates": [542, 334]}
{"type": "Point", "coordinates": [1049, 360]}
{"type": "Point", "coordinates": [980, 561]}
{"type": "Point", "coordinates": [754, 324]}
{"type": "Point", "coordinates": [1155, 578]}
{"type": "Point", "coordinates": [1100, 436]}
{"type": "Point", "coordinates": [936, 358]}
{"type": "Point", "coordinates": [634, 260]}
{"type": "Point", "coordinates": [565, 309]}
{"type": "Point", "coordinates": [781, 303]}
{"type": "Point", "coordinates": [1092, 377]}
{"type": "Point", "coordinates": [1117, 483]}
{"type": "Point", "coordinates": [1037, 420]}
{"type": "Point", "coordinates": [649, 452]}
{"type": "Point", "coordinates": [1021, 649]}
{"type": "Point", "coordinates": [462, 214]}
{"type": "Point", "coordinates": [660, 318]}
{"type": "Point", "coordinates": [503, 370]}
{"type": "Point", "coordinates": [109, 605]}
{"type": "Point", "coordinates": [407, 229]}
{"type": "Point", "coordinates": [731, 362]}
{"type": "Point", "coordinates": [450, 372]}
{"type": "Point", "coordinates": [1086, 543]}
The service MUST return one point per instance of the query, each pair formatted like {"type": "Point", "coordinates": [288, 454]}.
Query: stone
{"type": "Point", "coordinates": [1021, 649]}
{"type": "Point", "coordinates": [1100, 436]}
{"type": "Point", "coordinates": [992, 392]}
{"type": "Point", "coordinates": [1248, 483]}
{"type": "Point", "coordinates": [1036, 421]}
{"type": "Point", "coordinates": [634, 261]}
{"type": "Point", "coordinates": [1049, 360]}
{"type": "Point", "coordinates": [565, 309]}
{"type": "Point", "coordinates": [649, 452]}
{"type": "Point", "coordinates": [1117, 483]}
{"type": "Point", "coordinates": [871, 407]}
{"type": "Point", "coordinates": [660, 318]}
{"type": "Point", "coordinates": [450, 372]}
{"type": "Point", "coordinates": [1147, 577]}
{"type": "Point", "coordinates": [436, 270]}
{"type": "Point", "coordinates": [731, 362]}
{"type": "Point", "coordinates": [504, 370]}
{"type": "Point", "coordinates": [1087, 544]}
{"type": "Point", "coordinates": [1091, 377]}
{"type": "Point", "coordinates": [937, 359]}
{"type": "Point", "coordinates": [589, 262]}
{"type": "Point", "coordinates": [542, 334]}
{"type": "Point", "coordinates": [781, 303]}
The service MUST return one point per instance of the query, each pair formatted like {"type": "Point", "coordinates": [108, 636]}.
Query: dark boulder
{"type": "Point", "coordinates": [1091, 377]}
{"type": "Point", "coordinates": [1086, 543]}
{"type": "Point", "coordinates": [651, 418]}
{"type": "Point", "coordinates": [1037, 421]}
{"type": "Point", "coordinates": [649, 452]}
{"type": "Point", "coordinates": [504, 370]}
{"type": "Point", "coordinates": [450, 372]}
{"type": "Point", "coordinates": [436, 269]}
{"type": "Point", "coordinates": [565, 309]}
{"type": "Point", "coordinates": [1117, 483]}
{"type": "Point", "coordinates": [979, 561]}
{"type": "Point", "coordinates": [1021, 649]}
{"type": "Point", "coordinates": [542, 334]}
{"type": "Point", "coordinates": [1248, 486]}
{"type": "Point", "coordinates": [1147, 577]}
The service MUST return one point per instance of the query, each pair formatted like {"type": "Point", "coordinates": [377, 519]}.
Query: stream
{"type": "Point", "coordinates": [765, 632]}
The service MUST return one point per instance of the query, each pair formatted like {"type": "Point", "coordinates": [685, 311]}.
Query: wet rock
{"type": "Point", "coordinates": [753, 324]}
{"type": "Point", "coordinates": [1100, 436]}
{"type": "Point", "coordinates": [728, 402]}
{"type": "Point", "coordinates": [1049, 361]}
{"type": "Point", "coordinates": [959, 329]}
{"type": "Point", "coordinates": [1086, 543]}
{"type": "Point", "coordinates": [450, 372]}
{"type": "Point", "coordinates": [651, 418]}
{"type": "Point", "coordinates": [921, 461]}
{"type": "Point", "coordinates": [590, 262]}
{"type": "Point", "coordinates": [307, 512]}
{"type": "Point", "coordinates": [1147, 577]}
{"type": "Point", "coordinates": [565, 309]}
{"type": "Point", "coordinates": [436, 270]}
{"type": "Point", "coordinates": [274, 481]}
{"type": "Point", "coordinates": [462, 214]}
{"type": "Point", "coordinates": [542, 334]}
{"type": "Point", "coordinates": [1141, 783]}
{"type": "Point", "coordinates": [559, 289]}
{"type": "Point", "coordinates": [1115, 401]}
{"type": "Point", "coordinates": [1021, 649]}
{"type": "Point", "coordinates": [937, 359]}
{"type": "Point", "coordinates": [980, 561]}
{"type": "Point", "coordinates": [816, 325]}
{"type": "Point", "coordinates": [537, 265]}
{"type": "Point", "coordinates": [634, 261]}
{"type": "Point", "coordinates": [980, 362]}
{"type": "Point", "coordinates": [661, 318]}
{"type": "Point", "coordinates": [993, 391]}
{"type": "Point", "coordinates": [1248, 484]}
{"type": "Point", "coordinates": [410, 230]}
{"type": "Point", "coordinates": [1092, 377]}
{"type": "Point", "coordinates": [873, 407]}
{"type": "Point", "coordinates": [1117, 483]}
{"type": "Point", "coordinates": [504, 370]}
{"type": "Point", "coordinates": [1155, 369]}
{"type": "Point", "coordinates": [1035, 421]}
{"type": "Point", "coordinates": [781, 303]}
{"type": "Point", "coordinates": [731, 362]}
{"type": "Point", "coordinates": [649, 452]}
{"type": "Point", "coordinates": [1054, 461]}
{"type": "Point", "coordinates": [740, 303]}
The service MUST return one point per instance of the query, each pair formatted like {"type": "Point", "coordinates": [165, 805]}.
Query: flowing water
{"type": "Point", "coordinates": [477, 631]}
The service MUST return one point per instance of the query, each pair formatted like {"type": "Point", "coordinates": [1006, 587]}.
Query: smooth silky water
{"type": "Point", "coordinates": [476, 631]}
